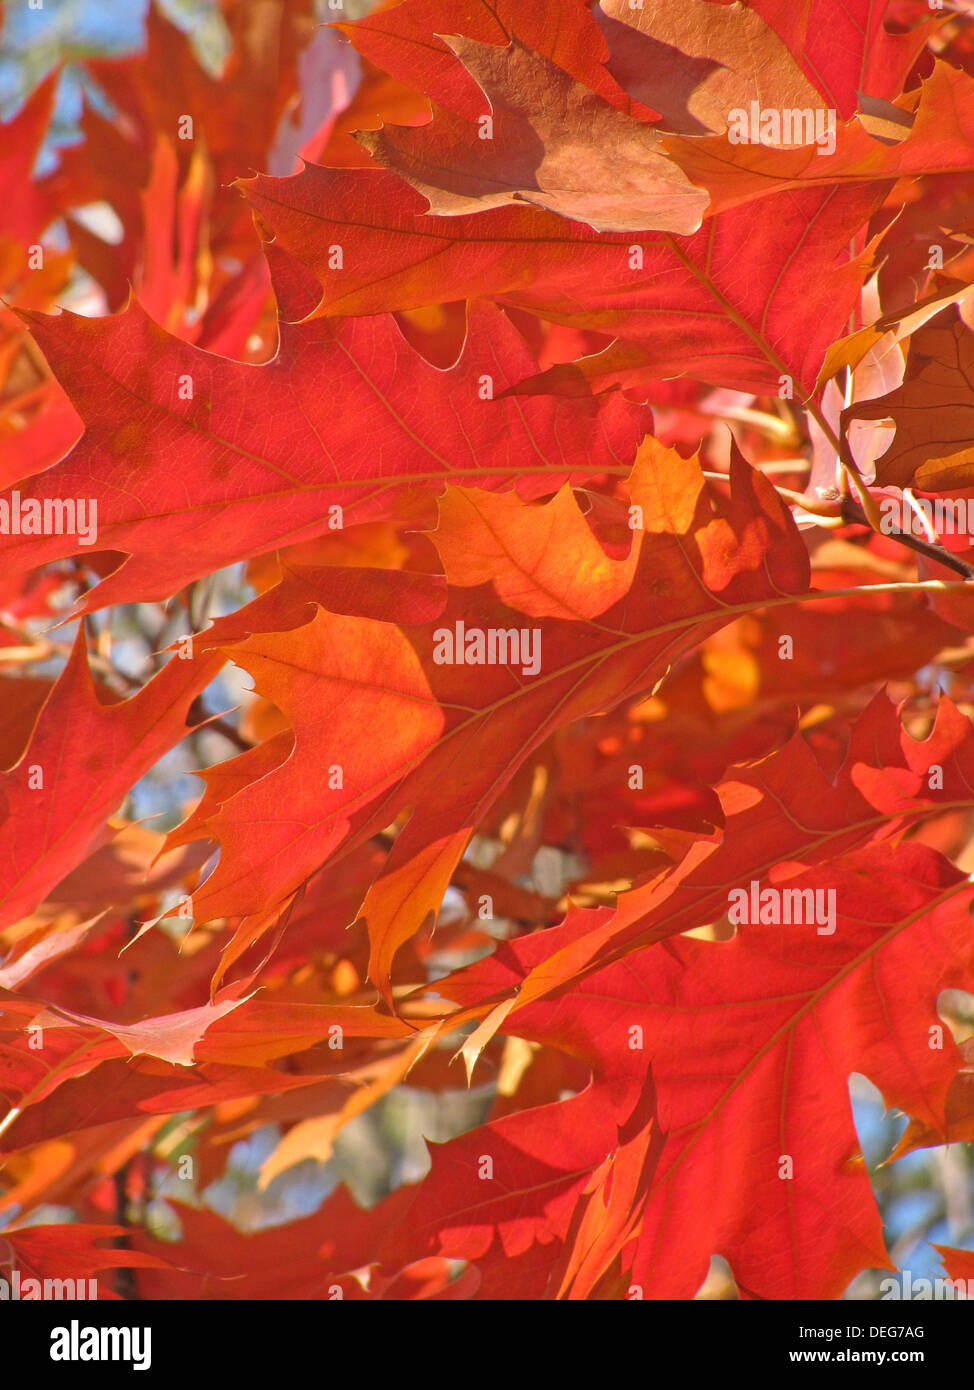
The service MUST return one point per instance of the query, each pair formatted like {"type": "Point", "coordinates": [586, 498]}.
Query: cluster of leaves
{"type": "Point", "coordinates": [480, 365]}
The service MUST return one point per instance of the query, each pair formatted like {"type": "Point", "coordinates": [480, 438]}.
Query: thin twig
{"type": "Point", "coordinates": [853, 513]}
